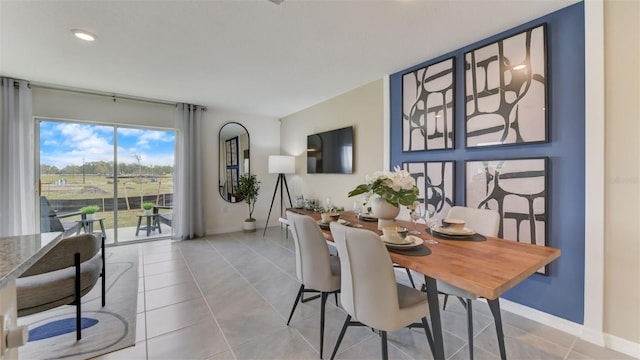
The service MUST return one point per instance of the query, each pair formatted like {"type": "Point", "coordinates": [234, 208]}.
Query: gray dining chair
{"type": "Point", "coordinates": [369, 292]}
{"type": "Point", "coordinates": [62, 276]}
{"type": "Point", "coordinates": [316, 269]}
{"type": "Point", "coordinates": [487, 223]}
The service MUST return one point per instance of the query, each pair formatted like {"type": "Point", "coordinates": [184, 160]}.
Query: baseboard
{"type": "Point", "coordinates": [595, 337]}
{"type": "Point", "coordinates": [622, 345]}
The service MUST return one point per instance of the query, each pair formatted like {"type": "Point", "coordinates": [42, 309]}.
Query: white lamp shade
{"type": "Point", "coordinates": [282, 164]}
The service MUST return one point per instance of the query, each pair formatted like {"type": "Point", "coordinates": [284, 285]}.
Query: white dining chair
{"type": "Point", "coordinates": [316, 269]}
{"type": "Point", "coordinates": [369, 292]}
{"type": "Point", "coordinates": [487, 223]}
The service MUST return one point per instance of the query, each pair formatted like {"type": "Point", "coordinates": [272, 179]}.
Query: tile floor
{"type": "Point", "coordinates": [228, 297]}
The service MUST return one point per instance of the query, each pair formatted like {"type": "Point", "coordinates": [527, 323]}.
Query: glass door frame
{"type": "Point", "coordinates": [115, 126]}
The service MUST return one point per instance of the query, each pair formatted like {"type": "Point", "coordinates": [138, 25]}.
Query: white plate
{"type": "Point", "coordinates": [340, 221]}
{"type": "Point", "coordinates": [454, 232]}
{"type": "Point", "coordinates": [414, 241]}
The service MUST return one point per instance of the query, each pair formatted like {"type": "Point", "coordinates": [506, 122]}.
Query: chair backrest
{"type": "Point", "coordinates": [49, 221]}
{"type": "Point", "coordinates": [313, 266]}
{"type": "Point", "coordinates": [368, 290]}
{"type": "Point", "coordinates": [61, 255]}
{"type": "Point", "coordinates": [483, 221]}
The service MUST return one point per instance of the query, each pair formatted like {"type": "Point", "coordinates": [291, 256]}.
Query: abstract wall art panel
{"type": "Point", "coordinates": [517, 189]}
{"type": "Point", "coordinates": [435, 181]}
{"type": "Point", "coordinates": [506, 91]}
{"type": "Point", "coordinates": [427, 107]}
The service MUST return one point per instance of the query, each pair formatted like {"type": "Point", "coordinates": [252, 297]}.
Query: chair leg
{"type": "Point", "coordinates": [296, 303]}
{"type": "Point", "coordinates": [470, 328]}
{"type": "Point", "coordinates": [494, 306]}
{"type": "Point", "coordinates": [344, 329]}
{"type": "Point", "coordinates": [335, 294]}
{"type": "Point", "coordinates": [410, 278]}
{"type": "Point", "coordinates": [104, 273]}
{"type": "Point", "coordinates": [383, 341]}
{"type": "Point", "coordinates": [427, 331]}
{"type": "Point", "coordinates": [76, 259]}
{"type": "Point", "coordinates": [444, 303]}
{"type": "Point", "coordinates": [323, 301]}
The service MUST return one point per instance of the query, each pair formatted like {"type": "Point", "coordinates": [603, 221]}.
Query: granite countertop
{"type": "Point", "coordinates": [18, 253]}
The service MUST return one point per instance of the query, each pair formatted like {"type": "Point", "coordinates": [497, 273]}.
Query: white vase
{"type": "Point", "coordinates": [384, 211]}
{"type": "Point", "coordinates": [148, 212]}
{"type": "Point", "coordinates": [90, 216]}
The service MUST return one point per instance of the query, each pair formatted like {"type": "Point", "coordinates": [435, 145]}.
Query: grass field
{"type": "Point", "coordinates": [78, 187]}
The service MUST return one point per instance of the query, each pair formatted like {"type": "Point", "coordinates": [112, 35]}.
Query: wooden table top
{"type": "Point", "coordinates": [487, 268]}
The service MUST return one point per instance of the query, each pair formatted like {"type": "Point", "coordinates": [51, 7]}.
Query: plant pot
{"type": "Point", "coordinates": [148, 212]}
{"type": "Point", "coordinates": [90, 216]}
{"type": "Point", "coordinates": [384, 211]}
{"type": "Point", "coordinates": [249, 225]}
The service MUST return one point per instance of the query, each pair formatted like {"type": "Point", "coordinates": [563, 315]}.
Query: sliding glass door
{"type": "Point", "coordinates": [116, 169]}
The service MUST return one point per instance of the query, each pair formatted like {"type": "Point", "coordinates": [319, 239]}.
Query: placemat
{"type": "Point", "coordinates": [420, 250]}
{"type": "Point", "coordinates": [474, 237]}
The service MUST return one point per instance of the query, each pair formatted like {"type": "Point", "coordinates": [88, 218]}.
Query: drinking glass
{"type": "Point", "coordinates": [432, 221]}
{"type": "Point", "coordinates": [415, 215]}
{"type": "Point", "coordinates": [357, 208]}
{"type": "Point", "coordinates": [329, 202]}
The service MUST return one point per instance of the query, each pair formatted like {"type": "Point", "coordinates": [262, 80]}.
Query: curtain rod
{"type": "Point", "coordinates": [99, 93]}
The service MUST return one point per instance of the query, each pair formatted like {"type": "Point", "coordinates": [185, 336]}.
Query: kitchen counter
{"type": "Point", "coordinates": [18, 253]}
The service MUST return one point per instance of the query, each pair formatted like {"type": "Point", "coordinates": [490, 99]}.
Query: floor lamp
{"type": "Point", "coordinates": [280, 164]}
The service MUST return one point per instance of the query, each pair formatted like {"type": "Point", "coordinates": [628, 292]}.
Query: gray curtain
{"type": "Point", "coordinates": [188, 210]}
{"type": "Point", "coordinates": [17, 159]}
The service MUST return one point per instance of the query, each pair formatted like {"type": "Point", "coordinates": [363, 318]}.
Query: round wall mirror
{"type": "Point", "coordinates": [233, 143]}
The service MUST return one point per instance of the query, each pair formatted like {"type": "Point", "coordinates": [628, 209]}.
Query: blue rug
{"type": "Point", "coordinates": [59, 327]}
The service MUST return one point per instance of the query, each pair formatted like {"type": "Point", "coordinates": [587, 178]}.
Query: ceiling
{"type": "Point", "coordinates": [251, 56]}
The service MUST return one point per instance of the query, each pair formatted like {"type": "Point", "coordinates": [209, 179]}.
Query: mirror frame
{"type": "Point", "coordinates": [220, 154]}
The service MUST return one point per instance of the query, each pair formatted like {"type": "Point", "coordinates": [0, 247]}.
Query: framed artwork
{"type": "Point", "coordinates": [428, 107]}
{"type": "Point", "coordinates": [436, 184]}
{"type": "Point", "coordinates": [506, 91]}
{"type": "Point", "coordinates": [517, 190]}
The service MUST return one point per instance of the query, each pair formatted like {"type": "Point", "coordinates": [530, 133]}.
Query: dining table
{"type": "Point", "coordinates": [488, 267]}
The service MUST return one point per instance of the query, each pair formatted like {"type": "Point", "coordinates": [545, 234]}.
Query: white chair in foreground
{"type": "Point", "coordinates": [487, 223]}
{"type": "Point", "coordinates": [316, 269]}
{"type": "Point", "coordinates": [369, 292]}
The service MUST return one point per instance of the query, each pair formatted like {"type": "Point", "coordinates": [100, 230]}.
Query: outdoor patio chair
{"type": "Point", "coordinates": [50, 220]}
{"type": "Point", "coordinates": [164, 218]}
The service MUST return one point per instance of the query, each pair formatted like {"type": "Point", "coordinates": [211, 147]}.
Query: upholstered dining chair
{"type": "Point", "coordinates": [316, 269]}
{"type": "Point", "coordinates": [369, 292]}
{"type": "Point", "coordinates": [487, 223]}
{"type": "Point", "coordinates": [62, 276]}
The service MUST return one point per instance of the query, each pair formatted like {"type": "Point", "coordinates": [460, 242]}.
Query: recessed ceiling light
{"type": "Point", "coordinates": [83, 34]}
{"type": "Point", "coordinates": [519, 67]}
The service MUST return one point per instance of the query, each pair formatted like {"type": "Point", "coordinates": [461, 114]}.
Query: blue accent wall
{"type": "Point", "coordinates": [561, 293]}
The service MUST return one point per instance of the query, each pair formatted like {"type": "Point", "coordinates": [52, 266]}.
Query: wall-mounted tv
{"type": "Point", "coordinates": [330, 152]}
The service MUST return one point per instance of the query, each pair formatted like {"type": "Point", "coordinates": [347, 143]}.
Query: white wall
{"type": "Point", "coordinates": [264, 136]}
{"type": "Point", "coordinates": [622, 169]}
{"type": "Point", "coordinates": [363, 109]}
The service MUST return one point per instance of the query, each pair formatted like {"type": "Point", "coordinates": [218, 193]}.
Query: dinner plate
{"type": "Point", "coordinates": [454, 232]}
{"type": "Point", "coordinates": [326, 225]}
{"type": "Point", "coordinates": [415, 241]}
{"type": "Point", "coordinates": [369, 217]}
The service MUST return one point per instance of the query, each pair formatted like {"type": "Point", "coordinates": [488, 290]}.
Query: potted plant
{"type": "Point", "coordinates": [393, 189]}
{"type": "Point", "coordinates": [90, 211]}
{"type": "Point", "coordinates": [248, 188]}
{"type": "Point", "coordinates": [148, 207]}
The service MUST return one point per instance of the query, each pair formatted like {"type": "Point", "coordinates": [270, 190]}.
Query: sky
{"type": "Point", "coordinates": [64, 143]}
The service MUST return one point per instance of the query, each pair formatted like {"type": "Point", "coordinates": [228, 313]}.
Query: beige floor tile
{"type": "Point", "coordinates": [199, 341]}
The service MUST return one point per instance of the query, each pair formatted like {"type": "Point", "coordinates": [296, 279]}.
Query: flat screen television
{"type": "Point", "coordinates": [330, 152]}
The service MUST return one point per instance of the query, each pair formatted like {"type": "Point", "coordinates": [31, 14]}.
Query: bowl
{"type": "Point", "coordinates": [454, 224]}
{"type": "Point", "coordinates": [330, 216]}
{"type": "Point", "coordinates": [395, 231]}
